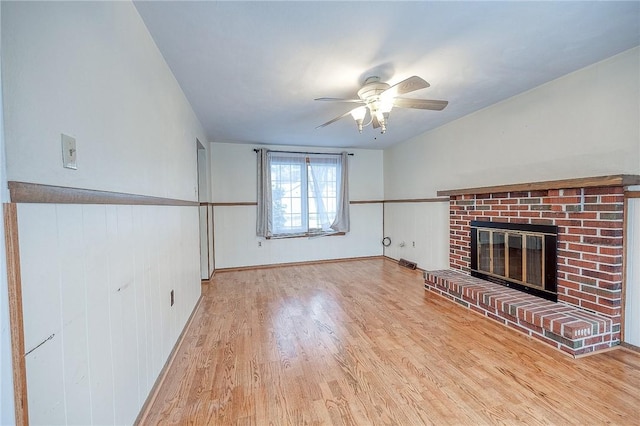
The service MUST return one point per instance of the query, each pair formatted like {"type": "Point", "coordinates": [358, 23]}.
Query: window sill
{"type": "Point", "coordinates": [306, 235]}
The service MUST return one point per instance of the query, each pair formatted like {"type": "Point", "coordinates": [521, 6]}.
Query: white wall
{"type": "Point", "coordinates": [581, 125]}
{"type": "Point", "coordinates": [98, 278]}
{"type": "Point", "coordinates": [7, 410]}
{"type": "Point", "coordinates": [234, 180]}
{"type": "Point", "coordinates": [91, 70]}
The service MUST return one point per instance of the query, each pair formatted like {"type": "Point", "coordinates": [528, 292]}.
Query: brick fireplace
{"type": "Point", "coordinates": [589, 216]}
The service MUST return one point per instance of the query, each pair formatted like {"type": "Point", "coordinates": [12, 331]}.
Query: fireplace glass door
{"type": "Point", "coordinates": [500, 251]}
{"type": "Point", "coordinates": [516, 257]}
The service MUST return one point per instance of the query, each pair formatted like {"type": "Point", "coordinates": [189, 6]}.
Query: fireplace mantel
{"type": "Point", "coordinates": [587, 182]}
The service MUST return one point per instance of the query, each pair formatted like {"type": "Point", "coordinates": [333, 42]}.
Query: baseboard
{"type": "Point", "coordinates": [144, 411]}
{"type": "Point", "coordinates": [598, 352]}
{"type": "Point", "coordinates": [631, 347]}
{"type": "Point", "coordinates": [309, 262]}
{"type": "Point", "coordinates": [418, 268]}
{"type": "Point", "coordinates": [202, 281]}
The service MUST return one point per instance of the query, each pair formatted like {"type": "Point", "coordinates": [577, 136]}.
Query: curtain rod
{"type": "Point", "coordinates": [303, 152]}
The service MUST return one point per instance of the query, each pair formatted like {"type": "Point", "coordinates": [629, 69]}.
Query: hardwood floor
{"type": "Point", "coordinates": [362, 343]}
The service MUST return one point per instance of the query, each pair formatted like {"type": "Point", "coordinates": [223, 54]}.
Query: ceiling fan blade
{"type": "Point", "coordinates": [334, 120]}
{"type": "Point", "coordinates": [411, 84]}
{"type": "Point", "coordinates": [357, 101]}
{"type": "Point", "coordinates": [375, 121]}
{"type": "Point", "coordinates": [420, 104]}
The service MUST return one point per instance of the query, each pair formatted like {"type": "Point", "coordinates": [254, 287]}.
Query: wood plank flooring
{"type": "Point", "coordinates": [362, 343]}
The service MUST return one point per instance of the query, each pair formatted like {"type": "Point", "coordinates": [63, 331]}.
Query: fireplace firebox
{"type": "Point", "coordinates": [521, 256]}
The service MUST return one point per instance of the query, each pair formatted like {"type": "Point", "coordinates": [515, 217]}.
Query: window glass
{"type": "Point", "coordinates": [304, 191]}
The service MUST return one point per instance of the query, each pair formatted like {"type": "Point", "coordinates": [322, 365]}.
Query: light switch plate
{"type": "Point", "coordinates": [69, 152]}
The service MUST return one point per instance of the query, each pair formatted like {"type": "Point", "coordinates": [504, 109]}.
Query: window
{"type": "Point", "coordinates": [302, 194]}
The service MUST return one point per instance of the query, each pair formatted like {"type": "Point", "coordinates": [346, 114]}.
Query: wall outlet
{"type": "Point", "coordinates": [413, 243]}
{"type": "Point", "coordinates": [69, 158]}
{"type": "Point", "coordinates": [259, 243]}
{"type": "Point", "coordinates": [172, 299]}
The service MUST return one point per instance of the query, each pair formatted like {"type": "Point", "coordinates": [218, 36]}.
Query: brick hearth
{"type": "Point", "coordinates": [563, 326]}
{"type": "Point", "coordinates": [590, 221]}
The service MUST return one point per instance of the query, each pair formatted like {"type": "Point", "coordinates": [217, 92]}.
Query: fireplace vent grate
{"type": "Point", "coordinates": [407, 264]}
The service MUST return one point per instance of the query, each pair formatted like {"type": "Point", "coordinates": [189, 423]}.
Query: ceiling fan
{"type": "Point", "coordinates": [379, 98]}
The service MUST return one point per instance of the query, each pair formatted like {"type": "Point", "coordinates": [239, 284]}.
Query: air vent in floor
{"type": "Point", "coordinates": [407, 264]}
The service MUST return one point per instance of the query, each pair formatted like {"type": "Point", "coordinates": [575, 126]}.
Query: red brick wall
{"type": "Point", "coordinates": [590, 226]}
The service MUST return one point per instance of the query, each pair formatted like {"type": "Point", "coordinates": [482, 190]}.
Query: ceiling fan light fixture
{"type": "Point", "coordinates": [386, 105]}
{"type": "Point", "coordinates": [382, 120]}
{"type": "Point", "coordinates": [380, 98]}
{"type": "Point", "coordinates": [358, 115]}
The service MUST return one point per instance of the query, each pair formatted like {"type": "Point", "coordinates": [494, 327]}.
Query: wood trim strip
{"type": "Point", "coordinates": [148, 403]}
{"type": "Point", "coordinates": [632, 194]}
{"type": "Point", "coordinates": [367, 202]}
{"type": "Point", "coordinates": [16, 324]}
{"type": "Point", "coordinates": [615, 180]}
{"type": "Point", "coordinates": [233, 204]}
{"type": "Point", "coordinates": [24, 192]}
{"type": "Point", "coordinates": [630, 347]}
{"type": "Point", "coordinates": [418, 200]}
{"type": "Point", "coordinates": [408, 200]}
{"type": "Point", "coordinates": [254, 203]}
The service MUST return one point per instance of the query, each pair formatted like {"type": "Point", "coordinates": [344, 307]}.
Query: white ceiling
{"type": "Point", "coordinates": [252, 69]}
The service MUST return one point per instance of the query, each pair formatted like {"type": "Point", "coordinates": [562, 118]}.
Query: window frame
{"type": "Point", "coordinates": [305, 195]}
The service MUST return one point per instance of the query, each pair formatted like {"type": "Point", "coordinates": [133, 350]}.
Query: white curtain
{"type": "Point", "coordinates": [263, 223]}
{"type": "Point", "coordinates": [324, 171]}
{"type": "Point", "coordinates": [342, 222]}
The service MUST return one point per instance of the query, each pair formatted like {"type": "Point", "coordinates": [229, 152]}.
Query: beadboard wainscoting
{"type": "Point", "coordinates": [631, 289]}
{"type": "Point", "coordinates": [419, 231]}
{"type": "Point", "coordinates": [98, 320]}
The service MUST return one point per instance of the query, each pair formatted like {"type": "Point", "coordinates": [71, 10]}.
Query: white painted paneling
{"type": "Point", "coordinates": [96, 271]}
{"type": "Point", "coordinates": [424, 230]}
{"type": "Point", "coordinates": [46, 383]}
{"type": "Point", "coordinates": [236, 243]}
{"type": "Point", "coordinates": [206, 242]}
{"type": "Point", "coordinates": [210, 239]}
{"type": "Point", "coordinates": [140, 282]}
{"type": "Point", "coordinates": [583, 124]}
{"type": "Point", "coordinates": [204, 250]}
{"type": "Point", "coordinates": [74, 313]}
{"type": "Point", "coordinates": [40, 272]}
{"type": "Point", "coordinates": [632, 283]}
{"type": "Point", "coordinates": [42, 304]}
{"type": "Point", "coordinates": [98, 279]}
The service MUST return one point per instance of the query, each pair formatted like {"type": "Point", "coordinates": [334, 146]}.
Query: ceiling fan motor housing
{"type": "Point", "coordinates": [372, 89]}
{"type": "Point", "coordinates": [370, 93]}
